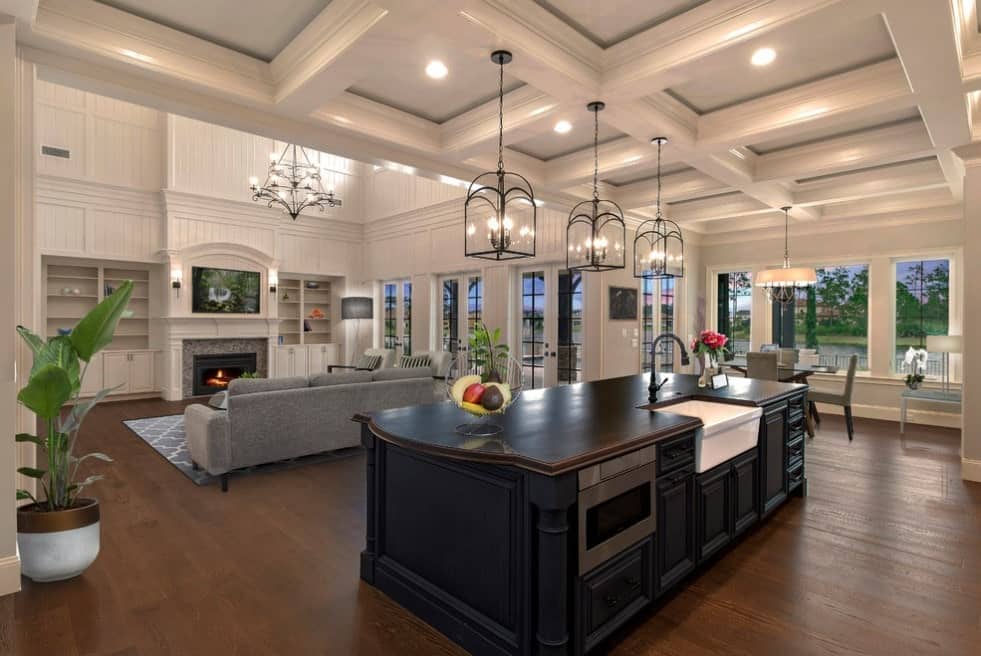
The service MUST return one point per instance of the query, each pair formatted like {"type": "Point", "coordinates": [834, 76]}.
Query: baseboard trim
{"type": "Point", "coordinates": [10, 574]}
{"type": "Point", "coordinates": [971, 470]}
{"type": "Point", "coordinates": [890, 413]}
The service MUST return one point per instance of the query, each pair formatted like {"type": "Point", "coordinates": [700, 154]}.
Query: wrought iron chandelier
{"type": "Point", "coordinates": [293, 183]}
{"type": "Point", "coordinates": [596, 234]}
{"type": "Point", "coordinates": [781, 284]}
{"type": "Point", "coordinates": [500, 213]}
{"type": "Point", "coordinates": [659, 249]}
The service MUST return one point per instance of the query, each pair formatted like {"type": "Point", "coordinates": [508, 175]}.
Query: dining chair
{"type": "Point", "coordinates": [844, 398]}
{"type": "Point", "coordinates": [764, 366]}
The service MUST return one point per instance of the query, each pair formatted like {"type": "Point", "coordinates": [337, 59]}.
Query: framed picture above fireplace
{"type": "Point", "coordinates": [225, 291]}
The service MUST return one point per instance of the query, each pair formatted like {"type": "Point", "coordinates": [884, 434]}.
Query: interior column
{"type": "Point", "coordinates": [971, 407]}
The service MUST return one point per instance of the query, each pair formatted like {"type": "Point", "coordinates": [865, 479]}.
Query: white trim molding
{"type": "Point", "coordinates": [971, 470]}
{"type": "Point", "coordinates": [10, 574]}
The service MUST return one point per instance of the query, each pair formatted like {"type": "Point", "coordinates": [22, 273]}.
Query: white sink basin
{"type": "Point", "coordinates": [727, 430]}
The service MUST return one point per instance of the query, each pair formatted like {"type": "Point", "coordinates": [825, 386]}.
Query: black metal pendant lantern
{"type": "Point", "coordinates": [596, 235]}
{"type": "Point", "coordinates": [659, 250]}
{"type": "Point", "coordinates": [500, 215]}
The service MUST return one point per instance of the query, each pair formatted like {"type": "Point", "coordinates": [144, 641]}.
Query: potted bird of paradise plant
{"type": "Point", "coordinates": [58, 531]}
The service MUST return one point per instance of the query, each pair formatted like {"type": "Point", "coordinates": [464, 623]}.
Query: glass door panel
{"type": "Point", "coordinates": [397, 317]}
{"type": "Point", "coordinates": [570, 327]}
{"type": "Point", "coordinates": [533, 350]}
{"type": "Point", "coordinates": [450, 326]}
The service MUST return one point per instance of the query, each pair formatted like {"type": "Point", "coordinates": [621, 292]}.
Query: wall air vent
{"type": "Point", "coordinates": [64, 153]}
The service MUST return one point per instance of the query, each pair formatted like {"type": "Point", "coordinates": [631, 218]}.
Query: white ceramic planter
{"type": "Point", "coordinates": [58, 546]}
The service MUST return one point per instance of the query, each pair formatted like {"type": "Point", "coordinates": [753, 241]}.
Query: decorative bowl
{"type": "Point", "coordinates": [313, 284]}
{"type": "Point", "coordinates": [483, 392]}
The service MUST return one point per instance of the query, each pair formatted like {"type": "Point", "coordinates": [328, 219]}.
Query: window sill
{"type": "Point", "coordinates": [898, 380]}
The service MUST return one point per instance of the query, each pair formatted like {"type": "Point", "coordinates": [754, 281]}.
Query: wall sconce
{"type": "Point", "coordinates": [176, 275]}
{"type": "Point", "coordinates": [273, 281]}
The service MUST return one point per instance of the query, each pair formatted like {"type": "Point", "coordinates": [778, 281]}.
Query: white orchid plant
{"type": "Point", "coordinates": [915, 364]}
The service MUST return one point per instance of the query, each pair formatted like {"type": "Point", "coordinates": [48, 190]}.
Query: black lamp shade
{"type": "Point", "coordinates": [356, 307]}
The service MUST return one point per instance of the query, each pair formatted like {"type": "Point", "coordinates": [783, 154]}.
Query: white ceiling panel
{"type": "Point", "coordinates": [551, 144]}
{"type": "Point", "coordinates": [607, 22]}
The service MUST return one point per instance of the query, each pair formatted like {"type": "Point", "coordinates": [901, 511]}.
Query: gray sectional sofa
{"type": "Point", "coordinates": [267, 420]}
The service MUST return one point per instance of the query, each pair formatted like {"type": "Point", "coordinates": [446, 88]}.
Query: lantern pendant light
{"type": "Point", "coordinates": [500, 213]}
{"type": "Point", "coordinates": [781, 284]}
{"type": "Point", "coordinates": [659, 249]}
{"type": "Point", "coordinates": [596, 234]}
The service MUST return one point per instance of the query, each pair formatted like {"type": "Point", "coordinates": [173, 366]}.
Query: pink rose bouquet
{"type": "Point", "coordinates": [710, 342]}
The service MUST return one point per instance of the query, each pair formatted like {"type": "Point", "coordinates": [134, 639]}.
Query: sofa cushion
{"type": "Point", "coordinates": [399, 373]}
{"type": "Point", "coordinates": [253, 385]}
{"type": "Point", "coordinates": [368, 362]}
{"type": "Point", "coordinates": [219, 401]}
{"type": "Point", "coordinates": [411, 361]}
{"type": "Point", "coordinates": [344, 378]}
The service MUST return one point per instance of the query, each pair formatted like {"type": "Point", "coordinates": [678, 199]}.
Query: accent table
{"type": "Point", "coordinates": [933, 396]}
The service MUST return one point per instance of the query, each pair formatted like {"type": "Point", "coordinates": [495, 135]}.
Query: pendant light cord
{"type": "Point", "coordinates": [786, 238]}
{"type": "Point", "coordinates": [595, 154]}
{"type": "Point", "coordinates": [659, 144]}
{"type": "Point", "coordinates": [500, 123]}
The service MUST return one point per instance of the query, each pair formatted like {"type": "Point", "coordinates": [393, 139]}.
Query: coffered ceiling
{"type": "Point", "coordinates": [856, 113]}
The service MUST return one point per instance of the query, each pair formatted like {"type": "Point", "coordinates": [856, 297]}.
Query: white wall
{"type": "Point", "coordinates": [878, 243]}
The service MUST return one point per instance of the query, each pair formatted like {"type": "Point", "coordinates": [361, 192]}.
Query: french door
{"type": "Point", "coordinates": [397, 316]}
{"type": "Point", "coordinates": [550, 346]}
{"type": "Point", "coordinates": [462, 307]}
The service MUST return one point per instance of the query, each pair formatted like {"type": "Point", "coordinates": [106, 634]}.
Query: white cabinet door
{"type": "Point", "coordinates": [93, 376]}
{"type": "Point", "coordinates": [332, 355]}
{"type": "Point", "coordinates": [115, 371]}
{"type": "Point", "coordinates": [316, 359]}
{"type": "Point", "coordinates": [298, 359]}
{"type": "Point", "coordinates": [140, 372]}
{"type": "Point", "coordinates": [283, 365]}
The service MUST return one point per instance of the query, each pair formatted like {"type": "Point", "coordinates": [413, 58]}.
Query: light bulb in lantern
{"type": "Point", "coordinates": [471, 230]}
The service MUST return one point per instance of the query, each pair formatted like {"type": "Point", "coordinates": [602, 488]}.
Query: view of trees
{"type": "Point", "coordinates": [922, 301]}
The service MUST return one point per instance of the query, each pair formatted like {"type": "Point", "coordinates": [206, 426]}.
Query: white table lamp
{"type": "Point", "coordinates": [945, 344]}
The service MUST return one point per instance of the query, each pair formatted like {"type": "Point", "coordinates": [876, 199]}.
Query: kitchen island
{"type": "Point", "coordinates": [550, 536]}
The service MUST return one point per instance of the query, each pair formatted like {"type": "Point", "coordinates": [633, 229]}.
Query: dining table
{"type": "Point", "coordinates": [795, 372]}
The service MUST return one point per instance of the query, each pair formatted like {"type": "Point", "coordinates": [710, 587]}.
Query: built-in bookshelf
{"type": "Point", "coordinates": [304, 310]}
{"type": "Point", "coordinates": [73, 290]}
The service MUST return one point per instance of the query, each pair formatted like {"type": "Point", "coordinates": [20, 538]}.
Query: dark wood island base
{"type": "Point", "coordinates": [484, 538]}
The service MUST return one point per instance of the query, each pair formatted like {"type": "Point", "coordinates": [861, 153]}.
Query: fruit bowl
{"type": "Point", "coordinates": [483, 392]}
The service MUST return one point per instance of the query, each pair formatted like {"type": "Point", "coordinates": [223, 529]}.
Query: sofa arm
{"type": "Point", "coordinates": [208, 438]}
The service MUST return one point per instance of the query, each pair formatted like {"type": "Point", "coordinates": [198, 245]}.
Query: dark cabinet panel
{"type": "Point", "coordinates": [675, 528]}
{"type": "Point", "coordinates": [675, 453]}
{"type": "Point", "coordinates": [772, 449]}
{"type": "Point", "coordinates": [713, 510]}
{"type": "Point", "coordinates": [745, 487]}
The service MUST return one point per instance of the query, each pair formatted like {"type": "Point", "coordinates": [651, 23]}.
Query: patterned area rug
{"type": "Point", "coordinates": [166, 436]}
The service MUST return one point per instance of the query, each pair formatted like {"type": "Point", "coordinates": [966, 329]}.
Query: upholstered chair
{"type": "Point", "coordinates": [842, 398]}
{"type": "Point", "coordinates": [762, 365]}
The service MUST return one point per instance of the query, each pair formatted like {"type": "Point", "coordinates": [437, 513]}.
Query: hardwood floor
{"type": "Point", "coordinates": [883, 557]}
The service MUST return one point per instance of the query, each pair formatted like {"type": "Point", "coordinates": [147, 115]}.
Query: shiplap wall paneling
{"type": "Point", "coordinates": [388, 192]}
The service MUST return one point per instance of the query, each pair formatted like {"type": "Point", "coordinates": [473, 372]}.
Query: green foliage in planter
{"type": "Point", "coordinates": [487, 352]}
{"type": "Point", "coordinates": [56, 380]}
{"type": "Point", "coordinates": [250, 374]}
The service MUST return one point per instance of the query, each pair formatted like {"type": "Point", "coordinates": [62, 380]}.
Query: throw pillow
{"type": "Point", "coordinates": [219, 401]}
{"type": "Point", "coordinates": [410, 361]}
{"type": "Point", "coordinates": [369, 362]}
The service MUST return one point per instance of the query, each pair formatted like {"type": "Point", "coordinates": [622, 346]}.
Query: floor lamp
{"type": "Point", "coordinates": [357, 308]}
{"type": "Point", "coordinates": [945, 344]}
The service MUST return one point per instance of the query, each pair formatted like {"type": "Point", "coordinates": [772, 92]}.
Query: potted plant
{"type": "Point", "coordinates": [58, 532]}
{"type": "Point", "coordinates": [710, 349]}
{"type": "Point", "coordinates": [488, 352]}
{"type": "Point", "coordinates": [915, 363]}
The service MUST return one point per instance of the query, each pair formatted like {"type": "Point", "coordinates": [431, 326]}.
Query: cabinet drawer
{"type": "Point", "coordinates": [796, 404]}
{"type": "Point", "coordinates": [795, 476]}
{"type": "Point", "coordinates": [675, 452]}
{"type": "Point", "coordinates": [795, 427]}
{"type": "Point", "coordinates": [616, 591]}
{"type": "Point", "coordinates": [795, 452]}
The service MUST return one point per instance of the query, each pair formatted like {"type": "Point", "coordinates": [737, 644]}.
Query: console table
{"type": "Point", "coordinates": [933, 396]}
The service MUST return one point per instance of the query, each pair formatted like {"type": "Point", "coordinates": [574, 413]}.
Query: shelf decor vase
{"type": "Point", "coordinates": [706, 365]}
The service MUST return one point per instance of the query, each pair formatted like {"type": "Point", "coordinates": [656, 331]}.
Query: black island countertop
{"type": "Point", "coordinates": [559, 429]}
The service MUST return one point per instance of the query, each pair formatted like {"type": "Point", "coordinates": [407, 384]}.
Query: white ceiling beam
{"type": "Point", "coordinates": [530, 167]}
{"type": "Point", "coordinates": [614, 156]}
{"type": "Point", "coordinates": [714, 208]}
{"type": "Point", "coordinates": [22, 10]}
{"type": "Point", "coordinates": [894, 143]}
{"type": "Point", "coordinates": [646, 62]}
{"type": "Point", "coordinates": [897, 179]}
{"type": "Point", "coordinates": [549, 54]}
{"type": "Point", "coordinates": [308, 70]}
{"type": "Point", "coordinates": [380, 122]}
{"type": "Point", "coordinates": [924, 36]}
{"type": "Point", "coordinates": [96, 33]}
{"type": "Point", "coordinates": [866, 91]}
{"type": "Point", "coordinates": [684, 185]}
{"type": "Point", "coordinates": [889, 204]}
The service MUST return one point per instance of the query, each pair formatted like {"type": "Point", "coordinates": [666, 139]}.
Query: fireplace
{"type": "Point", "coordinates": [212, 373]}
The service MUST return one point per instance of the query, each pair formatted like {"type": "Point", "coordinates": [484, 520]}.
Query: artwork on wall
{"type": "Point", "coordinates": [623, 303]}
{"type": "Point", "coordinates": [225, 290]}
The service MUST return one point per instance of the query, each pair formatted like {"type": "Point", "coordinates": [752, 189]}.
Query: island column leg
{"type": "Point", "coordinates": [368, 441]}
{"type": "Point", "coordinates": [553, 497]}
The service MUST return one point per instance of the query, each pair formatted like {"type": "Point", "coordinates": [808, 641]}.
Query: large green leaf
{"type": "Point", "coordinates": [60, 351]}
{"type": "Point", "coordinates": [81, 408]}
{"type": "Point", "coordinates": [94, 332]}
{"type": "Point", "coordinates": [47, 391]}
{"type": "Point", "coordinates": [33, 472]}
{"type": "Point", "coordinates": [35, 342]}
{"type": "Point", "coordinates": [27, 437]}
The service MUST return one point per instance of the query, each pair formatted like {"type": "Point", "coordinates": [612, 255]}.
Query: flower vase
{"type": "Point", "coordinates": [706, 365]}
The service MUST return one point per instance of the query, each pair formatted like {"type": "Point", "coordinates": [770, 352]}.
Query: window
{"type": "Point", "coordinates": [390, 337]}
{"type": "Point", "coordinates": [475, 307]}
{"type": "Point", "coordinates": [570, 327]}
{"type": "Point", "coordinates": [451, 319]}
{"type": "Point", "coordinates": [407, 318]}
{"type": "Point", "coordinates": [657, 318]}
{"type": "Point", "coordinates": [922, 307]}
{"type": "Point", "coordinates": [832, 317]}
{"type": "Point", "coordinates": [533, 329]}
{"type": "Point", "coordinates": [735, 302]}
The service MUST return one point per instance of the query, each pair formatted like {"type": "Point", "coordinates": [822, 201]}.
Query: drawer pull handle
{"type": "Point", "coordinates": [633, 582]}
{"type": "Point", "coordinates": [611, 601]}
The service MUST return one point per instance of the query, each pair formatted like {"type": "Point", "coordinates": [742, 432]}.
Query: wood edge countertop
{"type": "Point", "coordinates": [562, 429]}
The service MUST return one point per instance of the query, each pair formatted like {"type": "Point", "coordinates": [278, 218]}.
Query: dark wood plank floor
{"type": "Point", "coordinates": [883, 557]}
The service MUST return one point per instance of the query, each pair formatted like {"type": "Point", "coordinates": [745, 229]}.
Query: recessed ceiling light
{"type": "Point", "coordinates": [563, 126]}
{"type": "Point", "coordinates": [436, 69]}
{"type": "Point", "coordinates": [763, 57]}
